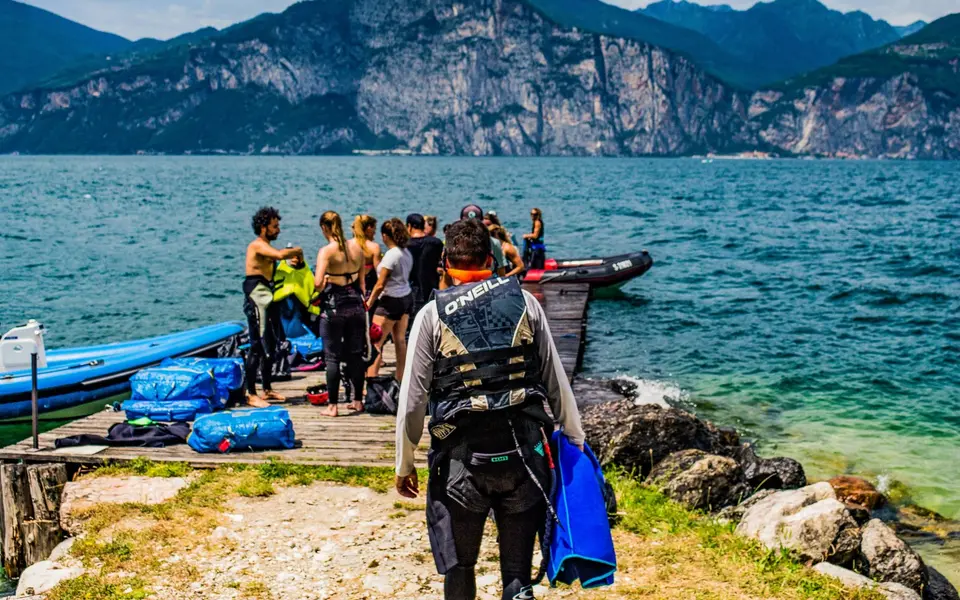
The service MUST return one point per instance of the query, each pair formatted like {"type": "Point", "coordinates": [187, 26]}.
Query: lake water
{"type": "Point", "coordinates": [815, 305]}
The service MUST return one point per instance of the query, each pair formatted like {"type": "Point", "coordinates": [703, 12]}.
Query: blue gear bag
{"type": "Point", "coordinates": [166, 412]}
{"type": "Point", "coordinates": [163, 384]}
{"type": "Point", "coordinates": [253, 429]}
{"type": "Point", "coordinates": [581, 546]}
{"type": "Point", "coordinates": [228, 373]}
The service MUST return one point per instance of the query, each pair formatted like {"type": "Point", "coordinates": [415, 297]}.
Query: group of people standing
{"type": "Point", "coordinates": [483, 366]}
{"type": "Point", "coordinates": [357, 283]}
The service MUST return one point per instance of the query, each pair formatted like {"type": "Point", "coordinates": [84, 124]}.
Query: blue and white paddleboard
{"type": "Point", "coordinates": [76, 376]}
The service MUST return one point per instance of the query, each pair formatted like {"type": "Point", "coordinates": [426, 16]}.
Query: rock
{"type": "Point", "coordinates": [895, 591]}
{"type": "Point", "coordinates": [638, 437]}
{"type": "Point", "coordinates": [600, 391]}
{"type": "Point", "coordinates": [62, 551]}
{"type": "Point", "coordinates": [769, 473]}
{"type": "Point", "coordinates": [845, 576]}
{"type": "Point", "coordinates": [821, 531]}
{"type": "Point", "coordinates": [938, 588]}
{"type": "Point", "coordinates": [887, 558]}
{"type": "Point", "coordinates": [733, 514]}
{"type": "Point", "coordinates": [761, 520]}
{"type": "Point", "coordinates": [79, 496]}
{"type": "Point", "coordinates": [856, 490]}
{"type": "Point", "coordinates": [43, 576]}
{"type": "Point", "coordinates": [700, 480]}
{"type": "Point", "coordinates": [485, 580]}
{"type": "Point", "coordinates": [809, 521]}
{"type": "Point", "coordinates": [859, 513]}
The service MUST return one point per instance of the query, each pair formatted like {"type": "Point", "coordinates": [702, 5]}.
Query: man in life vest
{"type": "Point", "coordinates": [483, 360]}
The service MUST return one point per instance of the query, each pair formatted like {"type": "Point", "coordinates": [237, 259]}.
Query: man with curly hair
{"type": "Point", "coordinates": [262, 315]}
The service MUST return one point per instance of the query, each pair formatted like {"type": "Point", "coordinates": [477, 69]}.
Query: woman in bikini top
{"type": "Point", "coordinates": [340, 264]}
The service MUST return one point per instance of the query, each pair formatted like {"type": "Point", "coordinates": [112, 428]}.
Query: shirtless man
{"type": "Point", "coordinates": [258, 303]}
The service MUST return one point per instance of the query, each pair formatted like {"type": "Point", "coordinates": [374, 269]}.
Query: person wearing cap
{"type": "Point", "coordinates": [472, 211]}
{"type": "Point", "coordinates": [427, 251]}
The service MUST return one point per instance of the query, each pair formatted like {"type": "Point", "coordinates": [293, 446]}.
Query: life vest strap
{"type": "Point", "coordinates": [484, 356]}
{"type": "Point", "coordinates": [481, 373]}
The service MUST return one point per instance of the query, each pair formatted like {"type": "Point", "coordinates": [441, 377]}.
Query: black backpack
{"type": "Point", "coordinates": [383, 394]}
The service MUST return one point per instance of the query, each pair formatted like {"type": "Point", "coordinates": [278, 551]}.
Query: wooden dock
{"type": "Point", "coordinates": [351, 439]}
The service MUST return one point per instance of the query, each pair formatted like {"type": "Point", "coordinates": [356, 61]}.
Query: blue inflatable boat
{"type": "Point", "coordinates": [76, 377]}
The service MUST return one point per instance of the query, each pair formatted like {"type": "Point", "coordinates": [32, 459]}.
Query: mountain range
{"type": "Point", "coordinates": [779, 39]}
{"type": "Point", "coordinates": [491, 77]}
{"type": "Point", "coordinates": [35, 44]}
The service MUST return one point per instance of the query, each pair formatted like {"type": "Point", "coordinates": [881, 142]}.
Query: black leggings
{"type": "Point", "coordinates": [517, 537]}
{"type": "Point", "coordinates": [345, 341]}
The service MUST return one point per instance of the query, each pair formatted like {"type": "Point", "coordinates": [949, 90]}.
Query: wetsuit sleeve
{"type": "Point", "coordinates": [559, 393]}
{"type": "Point", "coordinates": [415, 389]}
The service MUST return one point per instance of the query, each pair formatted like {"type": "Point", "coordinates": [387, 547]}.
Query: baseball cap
{"type": "Point", "coordinates": [471, 211]}
{"type": "Point", "coordinates": [416, 221]}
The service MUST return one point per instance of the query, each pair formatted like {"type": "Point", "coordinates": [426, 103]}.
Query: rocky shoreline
{"type": "Point", "coordinates": [843, 527]}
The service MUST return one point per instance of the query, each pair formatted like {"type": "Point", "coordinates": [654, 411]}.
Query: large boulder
{"type": "Point", "coordinates": [856, 490]}
{"type": "Point", "coordinates": [810, 521]}
{"type": "Point", "coordinates": [887, 558]}
{"type": "Point", "coordinates": [769, 473]}
{"type": "Point", "coordinates": [895, 591]}
{"type": "Point", "coordinates": [700, 480]}
{"type": "Point", "coordinates": [80, 496]}
{"type": "Point", "coordinates": [733, 514]}
{"type": "Point", "coordinates": [39, 578]}
{"type": "Point", "coordinates": [639, 437]}
{"type": "Point", "coordinates": [938, 588]}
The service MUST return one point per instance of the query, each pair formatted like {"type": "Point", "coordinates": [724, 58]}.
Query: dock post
{"type": "Point", "coordinates": [33, 399]}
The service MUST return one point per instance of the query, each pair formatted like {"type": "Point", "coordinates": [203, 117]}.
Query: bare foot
{"type": "Point", "coordinates": [330, 411]}
{"type": "Point", "coordinates": [357, 406]}
{"type": "Point", "coordinates": [272, 395]}
{"type": "Point", "coordinates": [256, 401]}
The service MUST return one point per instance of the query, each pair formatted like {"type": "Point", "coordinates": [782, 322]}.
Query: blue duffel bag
{"type": "Point", "coordinates": [252, 429]}
{"type": "Point", "coordinates": [167, 411]}
{"type": "Point", "coordinates": [173, 383]}
{"type": "Point", "coordinates": [228, 372]}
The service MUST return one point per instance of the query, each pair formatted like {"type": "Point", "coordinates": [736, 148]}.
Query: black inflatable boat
{"type": "Point", "coordinates": [598, 272]}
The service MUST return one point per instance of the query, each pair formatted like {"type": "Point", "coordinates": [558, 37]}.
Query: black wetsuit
{"type": "Point", "coordinates": [345, 336]}
{"type": "Point", "coordinates": [263, 318]}
{"type": "Point", "coordinates": [465, 485]}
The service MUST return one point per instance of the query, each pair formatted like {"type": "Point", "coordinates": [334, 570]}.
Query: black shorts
{"type": "Point", "coordinates": [394, 308]}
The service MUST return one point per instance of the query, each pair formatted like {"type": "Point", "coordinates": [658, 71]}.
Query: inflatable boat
{"type": "Point", "coordinates": [72, 378]}
{"type": "Point", "coordinates": [598, 272]}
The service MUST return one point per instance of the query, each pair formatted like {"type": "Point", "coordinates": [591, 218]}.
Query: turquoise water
{"type": "Point", "coordinates": [813, 304]}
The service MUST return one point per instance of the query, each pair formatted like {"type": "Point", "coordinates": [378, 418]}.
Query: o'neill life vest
{"type": "Point", "coordinates": [487, 359]}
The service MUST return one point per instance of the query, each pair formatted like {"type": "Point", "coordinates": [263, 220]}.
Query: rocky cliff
{"type": "Point", "coordinates": [902, 101]}
{"type": "Point", "coordinates": [478, 77]}
{"type": "Point", "coordinates": [475, 77]}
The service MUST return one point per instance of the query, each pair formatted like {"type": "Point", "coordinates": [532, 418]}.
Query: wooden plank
{"type": "Point", "coordinates": [15, 496]}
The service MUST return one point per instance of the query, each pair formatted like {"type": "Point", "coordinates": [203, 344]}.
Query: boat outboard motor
{"type": "Point", "coordinates": [19, 343]}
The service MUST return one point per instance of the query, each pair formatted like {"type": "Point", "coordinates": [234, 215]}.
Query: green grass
{"type": "Point", "coordinates": [146, 468]}
{"type": "Point", "coordinates": [92, 587]}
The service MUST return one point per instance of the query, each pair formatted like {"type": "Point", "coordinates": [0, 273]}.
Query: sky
{"type": "Point", "coordinates": [165, 19]}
